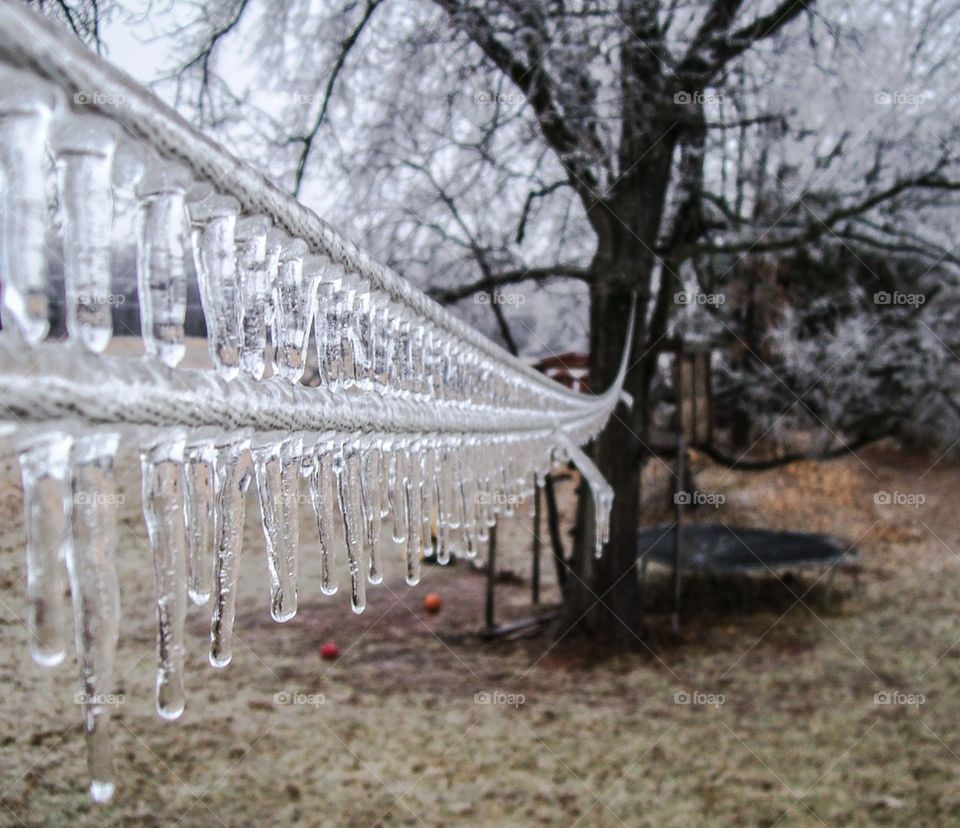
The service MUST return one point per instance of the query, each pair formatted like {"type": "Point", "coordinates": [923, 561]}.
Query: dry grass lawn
{"type": "Point", "coordinates": [598, 739]}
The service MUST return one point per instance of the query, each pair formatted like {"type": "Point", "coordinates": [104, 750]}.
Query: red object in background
{"type": "Point", "coordinates": [569, 369]}
{"type": "Point", "coordinates": [329, 651]}
{"type": "Point", "coordinates": [432, 603]}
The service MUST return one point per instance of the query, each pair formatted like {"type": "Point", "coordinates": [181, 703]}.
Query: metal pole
{"type": "Point", "coordinates": [535, 575]}
{"type": "Point", "coordinates": [491, 577]}
{"type": "Point", "coordinates": [678, 529]}
{"type": "Point", "coordinates": [679, 492]}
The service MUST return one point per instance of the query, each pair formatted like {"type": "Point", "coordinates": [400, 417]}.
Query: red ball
{"type": "Point", "coordinates": [329, 651]}
{"type": "Point", "coordinates": [432, 603]}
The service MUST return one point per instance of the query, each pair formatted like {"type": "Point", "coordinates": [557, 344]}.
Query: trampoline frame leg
{"type": "Point", "coordinates": [643, 579]}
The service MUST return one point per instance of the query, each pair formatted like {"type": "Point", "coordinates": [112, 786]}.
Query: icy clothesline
{"type": "Point", "coordinates": [29, 41]}
{"type": "Point", "coordinates": [418, 422]}
{"type": "Point", "coordinates": [51, 381]}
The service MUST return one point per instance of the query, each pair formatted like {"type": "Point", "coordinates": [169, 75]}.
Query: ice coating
{"type": "Point", "coordinates": [295, 298]}
{"type": "Point", "coordinates": [321, 479]}
{"type": "Point", "coordinates": [370, 482]}
{"type": "Point", "coordinates": [412, 503]}
{"type": "Point", "coordinates": [276, 462]}
{"type": "Point", "coordinates": [161, 275]}
{"type": "Point", "coordinates": [429, 427]}
{"type": "Point", "coordinates": [44, 466]}
{"type": "Point", "coordinates": [95, 596]}
{"type": "Point", "coordinates": [161, 478]}
{"type": "Point", "coordinates": [468, 496]}
{"type": "Point", "coordinates": [231, 479]}
{"type": "Point", "coordinates": [395, 488]}
{"type": "Point", "coordinates": [346, 467]}
{"type": "Point", "coordinates": [26, 106]}
{"type": "Point", "coordinates": [426, 501]}
{"type": "Point", "coordinates": [214, 224]}
{"type": "Point", "coordinates": [601, 490]}
{"type": "Point", "coordinates": [255, 274]}
{"type": "Point", "coordinates": [337, 337]}
{"type": "Point", "coordinates": [84, 147]}
{"type": "Point", "coordinates": [199, 457]}
{"type": "Point", "coordinates": [441, 493]}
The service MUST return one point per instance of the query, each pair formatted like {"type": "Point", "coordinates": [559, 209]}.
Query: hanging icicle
{"type": "Point", "coordinates": [231, 479]}
{"type": "Point", "coordinates": [84, 148]}
{"type": "Point", "coordinates": [26, 106]}
{"type": "Point", "coordinates": [161, 277]}
{"type": "Point", "coordinates": [95, 596]}
{"type": "Point", "coordinates": [161, 473]}
{"type": "Point", "coordinates": [214, 223]}
{"type": "Point", "coordinates": [276, 462]}
{"type": "Point", "coordinates": [44, 464]}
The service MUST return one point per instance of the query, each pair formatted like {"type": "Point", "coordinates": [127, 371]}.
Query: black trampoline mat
{"type": "Point", "coordinates": [715, 547]}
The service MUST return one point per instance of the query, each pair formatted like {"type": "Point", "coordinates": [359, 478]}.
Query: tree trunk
{"type": "Point", "coordinates": [602, 598]}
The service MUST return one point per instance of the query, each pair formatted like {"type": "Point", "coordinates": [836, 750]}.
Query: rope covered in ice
{"type": "Point", "coordinates": [30, 41]}
{"type": "Point", "coordinates": [417, 419]}
{"type": "Point", "coordinates": [50, 382]}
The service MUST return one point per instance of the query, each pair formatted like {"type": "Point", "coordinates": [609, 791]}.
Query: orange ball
{"type": "Point", "coordinates": [432, 603]}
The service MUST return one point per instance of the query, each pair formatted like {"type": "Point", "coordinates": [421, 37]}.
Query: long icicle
{"type": "Point", "coordinates": [44, 464]}
{"type": "Point", "coordinates": [26, 105]}
{"type": "Point", "coordinates": [370, 495]}
{"type": "Point", "coordinates": [161, 475]}
{"type": "Point", "coordinates": [322, 500]}
{"type": "Point", "coordinates": [347, 470]}
{"type": "Point", "coordinates": [232, 479]}
{"type": "Point", "coordinates": [412, 503]}
{"type": "Point", "coordinates": [276, 462]}
{"type": "Point", "coordinates": [199, 499]}
{"type": "Point", "coordinates": [84, 146]}
{"type": "Point", "coordinates": [95, 594]}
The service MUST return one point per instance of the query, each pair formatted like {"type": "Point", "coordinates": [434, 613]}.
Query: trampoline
{"type": "Point", "coordinates": [718, 549]}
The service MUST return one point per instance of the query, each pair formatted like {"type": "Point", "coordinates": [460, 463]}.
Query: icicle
{"type": "Point", "coordinates": [161, 474]}
{"type": "Point", "coordinates": [342, 352]}
{"type": "Point", "coordinates": [214, 223]}
{"type": "Point", "coordinates": [412, 503]}
{"type": "Point", "coordinates": [370, 492]}
{"type": "Point", "coordinates": [601, 490]}
{"type": "Point", "coordinates": [253, 272]}
{"type": "Point", "coordinates": [44, 463]}
{"type": "Point", "coordinates": [392, 321]}
{"type": "Point", "coordinates": [360, 334]}
{"type": "Point", "coordinates": [161, 275]}
{"type": "Point", "coordinates": [295, 295]}
{"type": "Point", "coordinates": [322, 499]}
{"type": "Point", "coordinates": [485, 495]}
{"type": "Point", "coordinates": [345, 299]}
{"type": "Point", "coordinates": [452, 480]}
{"type": "Point", "coordinates": [198, 472]}
{"type": "Point", "coordinates": [395, 486]}
{"type": "Point", "coordinates": [277, 239]}
{"type": "Point", "coordinates": [276, 462]}
{"type": "Point", "coordinates": [386, 454]}
{"type": "Point", "coordinates": [468, 497]}
{"type": "Point", "coordinates": [382, 342]}
{"type": "Point", "coordinates": [346, 466]}
{"type": "Point", "coordinates": [26, 105]}
{"type": "Point", "coordinates": [441, 492]}
{"type": "Point", "coordinates": [94, 591]}
{"type": "Point", "coordinates": [416, 368]}
{"type": "Point", "coordinates": [426, 502]}
{"type": "Point", "coordinates": [84, 146]}
{"type": "Point", "coordinates": [231, 479]}
{"type": "Point", "coordinates": [325, 323]}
